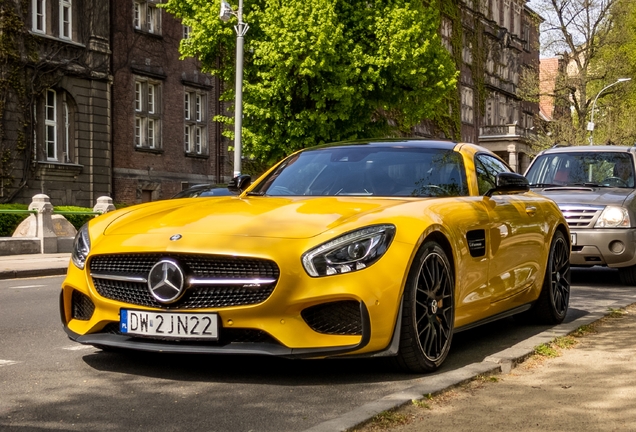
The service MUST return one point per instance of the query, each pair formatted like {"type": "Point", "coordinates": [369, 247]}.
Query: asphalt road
{"type": "Point", "coordinates": [50, 383]}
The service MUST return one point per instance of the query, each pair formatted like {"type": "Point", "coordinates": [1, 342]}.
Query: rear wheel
{"type": "Point", "coordinates": [552, 304]}
{"type": "Point", "coordinates": [428, 311]}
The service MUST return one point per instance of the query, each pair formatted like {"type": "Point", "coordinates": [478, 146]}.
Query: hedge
{"type": "Point", "coordinates": [10, 221]}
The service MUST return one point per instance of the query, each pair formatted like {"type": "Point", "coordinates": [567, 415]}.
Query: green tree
{"type": "Point", "coordinates": [322, 70]}
{"type": "Point", "coordinates": [577, 31]}
{"type": "Point", "coordinates": [614, 114]}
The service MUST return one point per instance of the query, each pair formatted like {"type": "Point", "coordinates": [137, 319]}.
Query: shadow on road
{"type": "Point", "coordinates": [470, 346]}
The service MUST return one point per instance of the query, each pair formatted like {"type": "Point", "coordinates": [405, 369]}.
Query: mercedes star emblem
{"type": "Point", "coordinates": [166, 281]}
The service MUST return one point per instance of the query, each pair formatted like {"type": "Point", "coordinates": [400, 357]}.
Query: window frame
{"type": "Point", "coordinates": [35, 16]}
{"type": "Point", "coordinates": [66, 5]}
{"type": "Point", "coordinates": [146, 17]}
{"type": "Point", "coordinates": [196, 130]}
{"type": "Point", "coordinates": [147, 132]}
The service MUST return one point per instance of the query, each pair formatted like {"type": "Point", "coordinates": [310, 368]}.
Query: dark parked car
{"type": "Point", "coordinates": [203, 190]}
{"type": "Point", "coordinates": [594, 187]}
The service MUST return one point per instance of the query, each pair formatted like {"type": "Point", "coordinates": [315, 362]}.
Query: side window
{"type": "Point", "coordinates": [487, 168]}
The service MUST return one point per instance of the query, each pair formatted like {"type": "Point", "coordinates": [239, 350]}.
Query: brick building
{"type": "Point", "coordinates": [119, 114]}
{"type": "Point", "coordinates": [164, 138]}
{"type": "Point", "coordinates": [56, 122]}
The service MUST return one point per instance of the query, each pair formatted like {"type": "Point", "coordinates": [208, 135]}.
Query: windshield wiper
{"type": "Point", "coordinates": [542, 185]}
{"type": "Point", "coordinates": [255, 193]}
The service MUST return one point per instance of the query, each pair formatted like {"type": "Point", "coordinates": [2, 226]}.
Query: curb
{"type": "Point", "coordinates": [501, 362]}
{"type": "Point", "coordinates": [28, 273]}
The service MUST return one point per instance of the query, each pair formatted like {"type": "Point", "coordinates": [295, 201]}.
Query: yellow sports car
{"type": "Point", "coordinates": [378, 248]}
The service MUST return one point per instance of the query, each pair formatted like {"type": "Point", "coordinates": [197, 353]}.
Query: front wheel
{"type": "Point", "coordinates": [627, 275]}
{"type": "Point", "coordinates": [428, 311]}
{"type": "Point", "coordinates": [552, 304]}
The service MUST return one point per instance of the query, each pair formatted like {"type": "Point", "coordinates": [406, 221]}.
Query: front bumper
{"type": "Point", "coordinates": [607, 247]}
{"type": "Point", "coordinates": [284, 330]}
{"type": "Point", "coordinates": [112, 339]}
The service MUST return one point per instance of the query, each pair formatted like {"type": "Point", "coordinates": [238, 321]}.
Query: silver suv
{"type": "Point", "coordinates": [594, 187]}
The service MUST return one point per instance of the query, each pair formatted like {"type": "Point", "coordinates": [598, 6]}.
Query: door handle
{"type": "Point", "coordinates": [531, 211]}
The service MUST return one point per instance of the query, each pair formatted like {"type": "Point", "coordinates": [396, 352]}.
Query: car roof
{"type": "Point", "coordinates": [588, 148]}
{"type": "Point", "coordinates": [393, 142]}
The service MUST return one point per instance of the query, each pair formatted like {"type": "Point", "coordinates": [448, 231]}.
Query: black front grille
{"type": "Point", "coordinates": [337, 318]}
{"type": "Point", "coordinates": [226, 267]}
{"type": "Point", "coordinates": [197, 266]}
{"type": "Point", "coordinates": [82, 306]}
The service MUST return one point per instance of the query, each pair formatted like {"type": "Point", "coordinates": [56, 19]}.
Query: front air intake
{"type": "Point", "coordinates": [81, 306]}
{"type": "Point", "coordinates": [336, 318]}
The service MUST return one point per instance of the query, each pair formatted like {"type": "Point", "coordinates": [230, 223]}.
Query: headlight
{"type": "Point", "coordinates": [613, 217]}
{"type": "Point", "coordinates": [350, 252]}
{"type": "Point", "coordinates": [81, 247]}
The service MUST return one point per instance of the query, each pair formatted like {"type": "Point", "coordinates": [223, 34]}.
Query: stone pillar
{"type": "Point", "coordinates": [104, 204]}
{"type": "Point", "coordinates": [512, 157]}
{"type": "Point", "coordinates": [44, 230]}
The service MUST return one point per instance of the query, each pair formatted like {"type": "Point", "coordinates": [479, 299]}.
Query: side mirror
{"type": "Point", "coordinates": [238, 184]}
{"type": "Point", "coordinates": [508, 183]}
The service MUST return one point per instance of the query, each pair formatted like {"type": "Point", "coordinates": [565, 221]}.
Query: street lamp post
{"type": "Point", "coordinates": [241, 29]}
{"type": "Point", "coordinates": [590, 125]}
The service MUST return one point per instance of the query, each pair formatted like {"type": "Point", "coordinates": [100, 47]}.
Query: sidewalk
{"type": "Point", "coordinates": [588, 387]}
{"type": "Point", "coordinates": [33, 265]}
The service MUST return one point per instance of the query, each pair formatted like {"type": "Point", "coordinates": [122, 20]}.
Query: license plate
{"type": "Point", "coordinates": [169, 324]}
{"type": "Point", "coordinates": [573, 236]}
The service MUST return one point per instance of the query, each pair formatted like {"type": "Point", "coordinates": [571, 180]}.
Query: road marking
{"type": "Point", "coordinates": [26, 286]}
{"type": "Point", "coordinates": [78, 347]}
{"type": "Point", "coordinates": [7, 362]}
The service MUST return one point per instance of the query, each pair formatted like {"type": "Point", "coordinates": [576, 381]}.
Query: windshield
{"type": "Point", "coordinates": [604, 169]}
{"type": "Point", "coordinates": [366, 171]}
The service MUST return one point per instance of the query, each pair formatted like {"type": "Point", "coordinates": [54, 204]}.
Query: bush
{"type": "Point", "coordinates": [10, 221]}
{"type": "Point", "coordinates": [77, 220]}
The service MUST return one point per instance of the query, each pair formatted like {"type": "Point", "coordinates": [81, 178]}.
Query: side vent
{"type": "Point", "coordinates": [476, 243]}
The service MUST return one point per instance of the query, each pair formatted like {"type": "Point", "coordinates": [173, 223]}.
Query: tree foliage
{"type": "Point", "coordinates": [322, 70]}
{"type": "Point", "coordinates": [578, 31]}
{"type": "Point", "coordinates": [615, 116]}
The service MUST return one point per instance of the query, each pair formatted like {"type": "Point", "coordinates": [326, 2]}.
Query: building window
{"type": "Point", "coordinates": [447, 33]}
{"type": "Point", "coordinates": [146, 16]}
{"type": "Point", "coordinates": [517, 19]}
{"type": "Point", "coordinates": [50, 125]}
{"type": "Point", "coordinates": [39, 16]}
{"type": "Point", "coordinates": [147, 114]}
{"type": "Point", "coordinates": [195, 137]}
{"type": "Point", "coordinates": [467, 104]}
{"type": "Point", "coordinates": [137, 15]}
{"type": "Point", "coordinates": [66, 23]}
{"type": "Point", "coordinates": [495, 11]}
{"type": "Point", "coordinates": [187, 30]}
{"type": "Point", "coordinates": [506, 15]}
{"type": "Point", "coordinates": [56, 129]}
{"type": "Point", "coordinates": [467, 48]}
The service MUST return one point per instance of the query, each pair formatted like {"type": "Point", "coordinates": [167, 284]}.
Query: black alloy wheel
{"type": "Point", "coordinates": [428, 312]}
{"type": "Point", "coordinates": [553, 302]}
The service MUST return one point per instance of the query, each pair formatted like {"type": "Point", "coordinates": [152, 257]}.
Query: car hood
{"type": "Point", "coordinates": [272, 217]}
{"type": "Point", "coordinates": [586, 195]}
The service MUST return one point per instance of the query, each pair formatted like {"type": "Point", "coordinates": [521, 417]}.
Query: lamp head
{"type": "Point", "coordinates": [226, 11]}
{"type": "Point", "coordinates": [624, 79]}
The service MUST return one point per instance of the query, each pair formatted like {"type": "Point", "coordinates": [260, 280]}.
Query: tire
{"type": "Point", "coordinates": [552, 304]}
{"type": "Point", "coordinates": [627, 275]}
{"type": "Point", "coordinates": [428, 311]}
